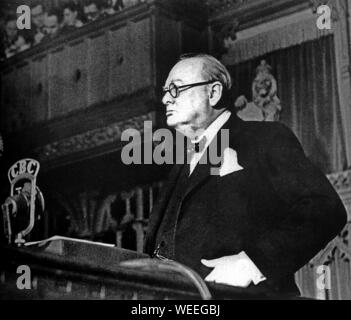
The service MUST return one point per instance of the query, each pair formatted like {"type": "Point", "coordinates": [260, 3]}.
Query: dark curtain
{"type": "Point", "coordinates": [307, 88]}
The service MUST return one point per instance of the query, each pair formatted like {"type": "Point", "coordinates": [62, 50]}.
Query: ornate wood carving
{"type": "Point", "coordinates": [91, 139]}
{"type": "Point", "coordinates": [341, 180]}
{"type": "Point", "coordinates": [340, 245]}
{"type": "Point", "coordinates": [317, 3]}
{"type": "Point", "coordinates": [335, 261]}
{"type": "Point", "coordinates": [331, 3]}
{"type": "Point", "coordinates": [221, 5]}
{"type": "Point", "coordinates": [224, 35]}
{"type": "Point", "coordinates": [251, 12]}
{"type": "Point", "coordinates": [228, 31]}
{"type": "Point", "coordinates": [265, 104]}
{"type": "Point", "coordinates": [91, 213]}
{"type": "Point", "coordinates": [336, 256]}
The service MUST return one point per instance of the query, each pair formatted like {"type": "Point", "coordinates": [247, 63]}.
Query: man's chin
{"type": "Point", "coordinates": [171, 122]}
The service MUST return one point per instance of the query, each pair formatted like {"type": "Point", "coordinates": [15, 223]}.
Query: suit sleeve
{"type": "Point", "coordinates": [313, 213]}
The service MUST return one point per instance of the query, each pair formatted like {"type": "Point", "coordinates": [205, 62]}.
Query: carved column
{"type": "Point", "coordinates": [89, 213]}
{"type": "Point", "coordinates": [127, 218]}
{"type": "Point", "coordinates": [139, 221]}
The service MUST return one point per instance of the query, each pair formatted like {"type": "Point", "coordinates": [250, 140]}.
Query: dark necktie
{"type": "Point", "coordinates": [196, 147]}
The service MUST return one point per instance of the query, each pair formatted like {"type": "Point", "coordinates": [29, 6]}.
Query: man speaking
{"type": "Point", "coordinates": [264, 214]}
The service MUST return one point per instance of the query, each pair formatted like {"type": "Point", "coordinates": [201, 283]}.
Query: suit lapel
{"type": "Point", "coordinates": [202, 172]}
{"type": "Point", "coordinates": [200, 175]}
{"type": "Point", "coordinates": [159, 209]}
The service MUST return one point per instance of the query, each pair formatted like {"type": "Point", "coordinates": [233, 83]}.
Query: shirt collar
{"type": "Point", "coordinates": [214, 127]}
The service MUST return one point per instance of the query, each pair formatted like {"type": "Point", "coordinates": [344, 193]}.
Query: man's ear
{"type": "Point", "coordinates": [215, 93]}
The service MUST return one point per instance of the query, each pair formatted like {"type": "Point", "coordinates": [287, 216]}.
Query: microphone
{"type": "Point", "coordinates": [19, 202]}
{"type": "Point", "coordinates": [19, 209]}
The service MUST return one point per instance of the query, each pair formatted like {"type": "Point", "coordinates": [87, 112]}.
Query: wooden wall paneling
{"type": "Point", "coordinates": [8, 110]}
{"type": "Point", "coordinates": [76, 93]}
{"type": "Point", "coordinates": [193, 40]}
{"type": "Point", "coordinates": [168, 48]}
{"type": "Point", "coordinates": [98, 68]}
{"type": "Point", "coordinates": [153, 62]}
{"type": "Point", "coordinates": [23, 92]}
{"type": "Point", "coordinates": [140, 52]}
{"type": "Point", "coordinates": [168, 42]}
{"type": "Point", "coordinates": [120, 67]}
{"type": "Point", "coordinates": [57, 81]}
{"type": "Point", "coordinates": [39, 88]}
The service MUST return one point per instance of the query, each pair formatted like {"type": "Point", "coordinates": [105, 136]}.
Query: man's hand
{"type": "Point", "coordinates": [236, 270]}
{"type": "Point", "coordinates": [38, 37]}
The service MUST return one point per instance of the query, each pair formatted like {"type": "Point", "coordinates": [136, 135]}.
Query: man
{"type": "Point", "coordinates": [51, 24]}
{"type": "Point", "coordinates": [70, 17]}
{"type": "Point", "coordinates": [92, 10]}
{"type": "Point", "coordinates": [10, 37]}
{"type": "Point", "coordinates": [38, 17]}
{"type": "Point", "coordinates": [110, 7]}
{"type": "Point", "coordinates": [23, 41]}
{"type": "Point", "coordinates": [258, 219]}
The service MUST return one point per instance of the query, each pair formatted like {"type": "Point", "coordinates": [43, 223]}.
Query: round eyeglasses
{"type": "Point", "coordinates": [175, 90]}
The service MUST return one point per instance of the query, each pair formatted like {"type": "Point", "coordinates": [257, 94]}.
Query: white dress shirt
{"type": "Point", "coordinates": [209, 133]}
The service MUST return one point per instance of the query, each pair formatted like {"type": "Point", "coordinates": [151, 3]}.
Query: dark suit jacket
{"type": "Point", "coordinates": [280, 209]}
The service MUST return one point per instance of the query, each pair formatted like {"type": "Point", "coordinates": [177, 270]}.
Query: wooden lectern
{"type": "Point", "coordinates": [64, 268]}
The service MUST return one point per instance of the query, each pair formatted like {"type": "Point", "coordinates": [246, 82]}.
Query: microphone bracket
{"type": "Point", "coordinates": [23, 192]}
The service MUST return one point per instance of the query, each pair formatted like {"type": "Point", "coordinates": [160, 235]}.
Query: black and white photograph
{"type": "Point", "coordinates": [155, 150]}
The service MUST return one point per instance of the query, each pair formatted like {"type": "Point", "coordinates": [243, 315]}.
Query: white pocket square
{"type": "Point", "coordinates": [229, 162]}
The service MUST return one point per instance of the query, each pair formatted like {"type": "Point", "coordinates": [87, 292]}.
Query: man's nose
{"type": "Point", "coordinates": [167, 99]}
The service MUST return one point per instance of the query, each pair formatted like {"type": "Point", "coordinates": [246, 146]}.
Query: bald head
{"type": "Point", "coordinates": [212, 69]}
{"type": "Point", "coordinates": [187, 71]}
{"type": "Point", "coordinates": [197, 84]}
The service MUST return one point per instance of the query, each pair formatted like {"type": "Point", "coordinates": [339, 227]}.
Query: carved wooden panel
{"type": "Point", "coordinates": [168, 47]}
{"type": "Point", "coordinates": [39, 88]}
{"type": "Point", "coordinates": [98, 68]}
{"type": "Point", "coordinates": [100, 63]}
{"type": "Point", "coordinates": [76, 92]}
{"type": "Point", "coordinates": [93, 214]}
{"type": "Point", "coordinates": [68, 79]}
{"type": "Point", "coordinates": [120, 67]}
{"type": "Point", "coordinates": [15, 103]}
{"type": "Point", "coordinates": [57, 81]}
{"type": "Point", "coordinates": [140, 52]}
{"type": "Point", "coordinates": [91, 139]}
{"type": "Point", "coordinates": [192, 39]}
{"type": "Point", "coordinates": [22, 84]}
{"type": "Point", "coordinates": [8, 100]}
